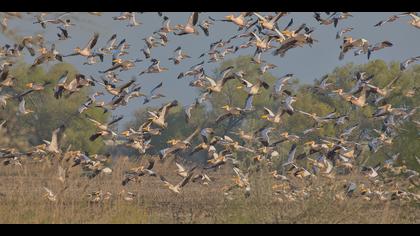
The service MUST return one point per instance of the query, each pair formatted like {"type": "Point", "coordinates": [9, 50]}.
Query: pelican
{"type": "Point", "coordinates": [292, 42]}
{"type": "Point", "coordinates": [113, 89]}
{"type": "Point", "coordinates": [50, 195]}
{"type": "Point", "coordinates": [132, 20]}
{"type": "Point", "coordinates": [158, 118]}
{"type": "Point", "coordinates": [271, 116]}
{"type": "Point", "coordinates": [153, 95]}
{"type": "Point", "coordinates": [87, 50]}
{"type": "Point", "coordinates": [177, 188]}
{"type": "Point", "coordinates": [242, 181]}
{"type": "Point", "coordinates": [379, 46]}
{"type": "Point", "coordinates": [205, 26]}
{"type": "Point", "coordinates": [179, 57]}
{"type": "Point", "coordinates": [166, 27]}
{"type": "Point", "coordinates": [290, 137]}
{"type": "Point", "coordinates": [61, 85]}
{"type": "Point", "coordinates": [291, 156]}
{"type": "Point", "coordinates": [269, 24]}
{"type": "Point", "coordinates": [288, 103]}
{"type": "Point", "coordinates": [279, 85]}
{"type": "Point", "coordinates": [63, 35]}
{"type": "Point", "coordinates": [53, 146]}
{"type": "Point", "coordinates": [216, 86]}
{"type": "Point", "coordinates": [264, 137]}
{"type": "Point", "coordinates": [238, 20]}
{"type": "Point", "coordinates": [404, 64]}
{"type": "Point", "coordinates": [349, 43]}
{"type": "Point", "coordinates": [253, 89]}
{"type": "Point", "coordinates": [266, 67]}
{"type": "Point", "coordinates": [41, 20]}
{"type": "Point", "coordinates": [415, 21]}
{"type": "Point", "coordinates": [27, 42]}
{"type": "Point", "coordinates": [343, 31]}
{"type": "Point", "coordinates": [22, 108]}
{"type": "Point", "coordinates": [262, 44]}
{"type": "Point", "coordinates": [124, 65]}
{"type": "Point", "coordinates": [361, 100]}
{"type": "Point", "coordinates": [181, 170]}
{"type": "Point", "coordinates": [320, 120]}
{"type": "Point", "coordinates": [230, 111]}
{"type": "Point", "coordinates": [47, 56]}
{"type": "Point", "coordinates": [388, 20]}
{"type": "Point", "coordinates": [207, 142]}
{"type": "Point", "coordinates": [103, 129]}
{"type": "Point", "coordinates": [189, 28]}
{"type": "Point", "coordinates": [178, 145]}
{"type": "Point", "coordinates": [136, 173]}
{"type": "Point", "coordinates": [4, 23]}
{"type": "Point", "coordinates": [154, 68]}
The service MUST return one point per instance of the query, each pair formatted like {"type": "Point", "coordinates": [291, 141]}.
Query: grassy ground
{"type": "Point", "coordinates": [22, 201]}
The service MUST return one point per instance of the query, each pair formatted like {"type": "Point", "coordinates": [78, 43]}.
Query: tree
{"type": "Point", "coordinates": [49, 113]}
{"type": "Point", "coordinates": [309, 100]}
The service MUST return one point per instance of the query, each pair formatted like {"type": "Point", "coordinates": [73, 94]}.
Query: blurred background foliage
{"type": "Point", "coordinates": [406, 143]}
{"type": "Point", "coordinates": [49, 113]}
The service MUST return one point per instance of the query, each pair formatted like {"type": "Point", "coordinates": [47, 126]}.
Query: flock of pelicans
{"type": "Point", "coordinates": [325, 157]}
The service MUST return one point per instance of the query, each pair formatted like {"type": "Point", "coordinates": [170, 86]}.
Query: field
{"type": "Point", "coordinates": [22, 200]}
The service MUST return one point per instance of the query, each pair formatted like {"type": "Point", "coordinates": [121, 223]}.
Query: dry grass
{"type": "Point", "coordinates": [21, 201]}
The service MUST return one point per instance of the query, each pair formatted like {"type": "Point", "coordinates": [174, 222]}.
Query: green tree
{"type": "Point", "coordinates": [49, 113]}
{"type": "Point", "coordinates": [308, 100]}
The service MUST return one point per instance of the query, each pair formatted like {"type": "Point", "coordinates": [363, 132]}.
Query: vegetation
{"type": "Point", "coordinates": [24, 132]}
{"type": "Point", "coordinates": [308, 100]}
{"type": "Point", "coordinates": [22, 201]}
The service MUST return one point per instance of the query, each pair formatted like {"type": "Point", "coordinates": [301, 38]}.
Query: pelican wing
{"type": "Point", "coordinates": [193, 19]}
{"type": "Point", "coordinates": [186, 179]}
{"type": "Point", "coordinates": [92, 42]}
{"type": "Point", "coordinates": [268, 112]}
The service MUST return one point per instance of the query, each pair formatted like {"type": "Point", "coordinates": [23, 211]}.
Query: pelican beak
{"type": "Point", "coordinates": [239, 87]}
{"type": "Point", "coordinates": [126, 133]}
{"type": "Point", "coordinates": [29, 85]}
{"type": "Point", "coordinates": [264, 117]}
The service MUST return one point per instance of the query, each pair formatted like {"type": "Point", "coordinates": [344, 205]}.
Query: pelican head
{"type": "Point", "coordinates": [264, 117]}
{"type": "Point", "coordinates": [229, 17]}
{"type": "Point", "coordinates": [29, 85]}
{"type": "Point", "coordinates": [42, 50]}
{"type": "Point", "coordinates": [77, 49]}
{"type": "Point", "coordinates": [226, 107]}
{"type": "Point", "coordinates": [117, 61]}
{"type": "Point", "coordinates": [173, 141]}
{"type": "Point", "coordinates": [285, 134]}
{"type": "Point", "coordinates": [309, 143]}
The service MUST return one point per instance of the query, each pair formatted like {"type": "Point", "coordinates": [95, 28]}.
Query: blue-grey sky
{"type": "Point", "coordinates": [307, 63]}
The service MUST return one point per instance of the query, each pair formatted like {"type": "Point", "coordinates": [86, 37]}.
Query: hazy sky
{"type": "Point", "coordinates": [306, 63]}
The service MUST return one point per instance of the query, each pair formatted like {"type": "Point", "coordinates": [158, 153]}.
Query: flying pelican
{"type": "Point", "coordinates": [177, 188]}
{"type": "Point", "coordinates": [179, 57]}
{"type": "Point", "coordinates": [87, 50]}
{"type": "Point", "coordinates": [178, 145]}
{"type": "Point", "coordinates": [158, 118]}
{"type": "Point", "coordinates": [253, 89]}
{"type": "Point", "coordinates": [103, 129]}
{"type": "Point", "coordinates": [189, 28]}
